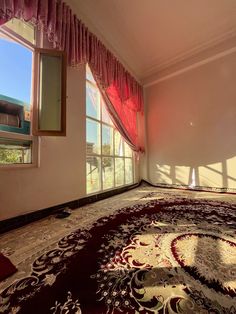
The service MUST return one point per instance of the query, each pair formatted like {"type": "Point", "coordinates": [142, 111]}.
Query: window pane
{"type": "Point", "coordinates": [50, 93]}
{"type": "Point", "coordinates": [119, 171]}
{"type": "Point", "coordinates": [23, 29]}
{"type": "Point", "coordinates": [16, 68]}
{"type": "Point", "coordinates": [15, 86]}
{"type": "Point", "coordinates": [93, 137]}
{"type": "Point", "coordinates": [119, 148]}
{"type": "Point", "coordinates": [15, 151]}
{"type": "Point", "coordinates": [107, 172]}
{"type": "Point", "coordinates": [128, 171]}
{"type": "Point", "coordinates": [128, 150]}
{"type": "Point", "coordinates": [92, 101]}
{"type": "Point", "coordinates": [89, 75]}
{"type": "Point", "coordinates": [107, 140]}
{"type": "Point", "coordinates": [105, 114]}
{"type": "Point", "coordinates": [93, 169]}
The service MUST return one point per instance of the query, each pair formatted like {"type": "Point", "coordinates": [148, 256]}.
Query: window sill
{"type": "Point", "coordinates": [34, 151]}
{"type": "Point", "coordinates": [17, 166]}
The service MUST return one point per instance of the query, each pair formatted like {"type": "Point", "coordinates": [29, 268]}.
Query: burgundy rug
{"type": "Point", "coordinates": [176, 256]}
{"type": "Point", "coordinates": [6, 267]}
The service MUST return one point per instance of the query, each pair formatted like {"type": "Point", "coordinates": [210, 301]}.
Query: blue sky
{"type": "Point", "coordinates": [16, 68]}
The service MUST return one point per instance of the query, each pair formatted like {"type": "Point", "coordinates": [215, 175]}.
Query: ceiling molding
{"type": "Point", "coordinates": [204, 44]}
{"type": "Point", "coordinates": [181, 65]}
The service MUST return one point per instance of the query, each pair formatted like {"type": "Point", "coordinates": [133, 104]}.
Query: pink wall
{"type": "Point", "coordinates": [191, 126]}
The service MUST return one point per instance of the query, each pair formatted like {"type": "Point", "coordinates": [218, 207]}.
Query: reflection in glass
{"type": "Point", "coordinates": [105, 115]}
{"type": "Point", "coordinates": [107, 172]}
{"type": "Point", "coordinates": [119, 171]}
{"type": "Point", "coordinates": [93, 137]}
{"type": "Point", "coordinates": [93, 174]}
{"type": "Point", "coordinates": [119, 146]}
{"type": "Point", "coordinates": [107, 140]}
{"type": "Point", "coordinates": [128, 171]}
{"type": "Point", "coordinates": [128, 150]}
{"type": "Point", "coordinates": [24, 29]}
{"type": "Point", "coordinates": [89, 75]}
{"type": "Point", "coordinates": [50, 93]}
{"type": "Point", "coordinates": [92, 101]}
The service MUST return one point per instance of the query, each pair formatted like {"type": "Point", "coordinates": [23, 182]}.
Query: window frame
{"type": "Point", "coordinates": [34, 150]}
{"type": "Point", "coordinates": [35, 134]}
{"type": "Point", "coordinates": [102, 155]}
{"type": "Point", "coordinates": [35, 92]}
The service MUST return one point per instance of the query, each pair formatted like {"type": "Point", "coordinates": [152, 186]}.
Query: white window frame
{"type": "Point", "coordinates": [34, 150]}
{"type": "Point", "coordinates": [17, 136]}
{"type": "Point", "coordinates": [101, 155]}
{"type": "Point", "coordinates": [35, 132]}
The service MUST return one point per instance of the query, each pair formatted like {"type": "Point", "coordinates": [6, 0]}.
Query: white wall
{"type": "Point", "coordinates": [61, 176]}
{"type": "Point", "coordinates": [191, 124]}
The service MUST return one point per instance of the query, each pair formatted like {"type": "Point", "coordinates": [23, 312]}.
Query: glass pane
{"type": "Point", "coordinates": [93, 170]}
{"type": "Point", "coordinates": [107, 172]}
{"type": "Point", "coordinates": [50, 93]}
{"type": "Point", "coordinates": [15, 151]}
{"type": "Point", "coordinates": [119, 171]}
{"type": "Point", "coordinates": [93, 137]}
{"type": "Point", "coordinates": [107, 140]}
{"type": "Point", "coordinates": [15, 86]}
{"type": "Point", "coordinates": [128, 150]}
{"type": "Point", "coordinates": [105, 114]}
{"type": "Point", "coordinates": [119, 148]}
{"type": "Point", "coordinates": [22, 28]}
{"type": "Point", "coordinates": [92, 101]}
{"type": "Point", "coordinates": [128, 171]}
{"type": "Point", "coordinates": [89, 75]}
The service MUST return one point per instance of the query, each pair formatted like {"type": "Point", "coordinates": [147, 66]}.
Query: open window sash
{"type": "Point", "coordinates": [49, 93]}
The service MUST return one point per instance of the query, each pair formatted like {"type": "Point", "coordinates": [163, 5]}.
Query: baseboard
{"type": "Point", "coordinates": [19, 221]}
{"type": "Point", "coordinates": [195, 188]}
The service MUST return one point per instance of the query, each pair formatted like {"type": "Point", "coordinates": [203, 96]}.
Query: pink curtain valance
{"type": "Point", "coordinates": [68, 33]}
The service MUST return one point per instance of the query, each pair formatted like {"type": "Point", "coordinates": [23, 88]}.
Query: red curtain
{"type": "Point", "coordinates": [122, 93]}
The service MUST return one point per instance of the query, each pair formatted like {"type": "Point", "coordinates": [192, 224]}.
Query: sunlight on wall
{"type": "Point", "coordinates": [211, 175]}
{"type": "Point", "coordinates": [172, 174]}
{"type": "Point", "coordinates": [182, 175]}
{"type": "Point", "coordinates": [231, 169]}
{"type": "Point", "coordinates": [220, 174]}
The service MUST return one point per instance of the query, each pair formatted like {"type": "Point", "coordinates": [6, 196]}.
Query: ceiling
{"type": "Point", "coordinates": [150, 36]}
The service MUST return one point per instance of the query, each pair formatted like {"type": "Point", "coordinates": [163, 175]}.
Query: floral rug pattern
{"type": "Point", "coordinates": [169, 254]}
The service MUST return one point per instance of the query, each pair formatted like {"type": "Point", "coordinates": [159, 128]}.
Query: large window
{"type": "Point", "coordinates": [31, 81]}
{"type": "Point", "coordinates": [109, 161]}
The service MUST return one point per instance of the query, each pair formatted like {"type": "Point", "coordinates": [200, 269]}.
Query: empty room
{"type": "Point", "coordinates": [117, 156]}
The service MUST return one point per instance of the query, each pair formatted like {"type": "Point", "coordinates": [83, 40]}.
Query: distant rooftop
{"type": "Point", "coordinates": [13, 100]}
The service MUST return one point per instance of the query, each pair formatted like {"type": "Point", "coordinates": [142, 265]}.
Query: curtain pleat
{"type": "Point", "coordinates": [122, 93]}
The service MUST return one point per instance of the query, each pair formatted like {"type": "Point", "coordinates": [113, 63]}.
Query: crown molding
{"type": "Point", "coordinates": [163, 68]}
{"type": "Point", "coordinates": [165, 63]}
{"type": "Point", "coordinates": [202, 56]}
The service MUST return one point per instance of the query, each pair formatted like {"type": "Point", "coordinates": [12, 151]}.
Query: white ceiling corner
{"type": "Point", "coordinates": [151, 36]}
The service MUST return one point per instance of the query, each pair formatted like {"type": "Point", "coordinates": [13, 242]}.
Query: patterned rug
{"type": "Point", "coordinates": [164, 256]}
{"type": "Point", "coordinates": [6, 267]}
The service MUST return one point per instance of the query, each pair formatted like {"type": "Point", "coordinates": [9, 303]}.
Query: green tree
{"type": "Point", "coordinates": [10, 156]}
